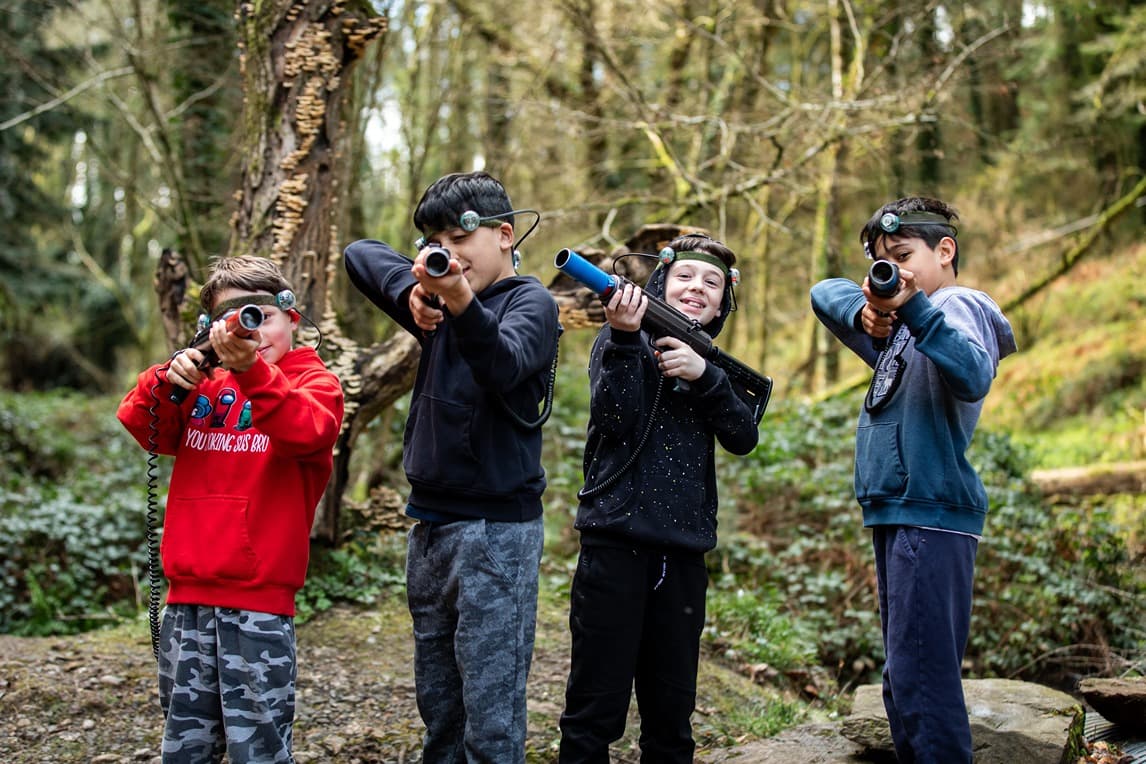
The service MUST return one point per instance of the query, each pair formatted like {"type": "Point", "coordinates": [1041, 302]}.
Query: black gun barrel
{"type": "Point", "coordinates": [437, 261]}
{"type": "Point", "coordinates": [883, 278]}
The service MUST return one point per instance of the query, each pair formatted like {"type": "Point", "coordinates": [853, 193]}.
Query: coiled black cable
{"type": "Point", "coordinates": [154, 580]}
{"type": "Point", "coordinates": [544, 415]}
{"type": "Point", "coordinates": [586, 492]}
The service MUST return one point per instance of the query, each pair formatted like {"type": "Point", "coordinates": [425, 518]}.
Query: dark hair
{"type": "Point", "coordinates": [930, 231]}
{"type": "Point", "coordinates": [249, 273]}
{"type": "Point", "coordinates": [443, 203]}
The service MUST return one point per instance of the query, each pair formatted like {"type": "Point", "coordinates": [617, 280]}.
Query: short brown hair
{"type": "Point", "coordinates": [247, 272]}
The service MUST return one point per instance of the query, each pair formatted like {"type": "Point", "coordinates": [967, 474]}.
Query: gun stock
{"type": "Point", "coordinates": [242, 322]}
{"type": "Point", "coordinates": [661, 319]}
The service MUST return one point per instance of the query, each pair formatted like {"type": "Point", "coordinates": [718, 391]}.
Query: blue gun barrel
{"type": "Point", "coordinates": [568, 261]}
{"type": "Point", "coordinates": [661, 319]}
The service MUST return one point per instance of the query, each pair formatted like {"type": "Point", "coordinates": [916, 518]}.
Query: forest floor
{"type": "Point", "coordinates": [92, 698]}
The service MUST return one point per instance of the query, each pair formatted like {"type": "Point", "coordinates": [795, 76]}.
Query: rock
{"type": "Point", "coordinates": [1121, 701]}
{"type": "Point", "coordinates": [807, 744]}
{"type": "Point", "coordinates": [1011, 721]}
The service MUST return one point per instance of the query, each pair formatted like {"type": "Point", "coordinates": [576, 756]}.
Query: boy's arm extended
{"type": "Point", "coordinates": [954, 333]}
{"type": "Point", "coordinates": [301, 413]}
{"type": "Point", "coordinates": [502, 352]}
{"type": "Point", "coordinates": [837, 303]}
{"type": "Point", "coordinates": [383, 276]}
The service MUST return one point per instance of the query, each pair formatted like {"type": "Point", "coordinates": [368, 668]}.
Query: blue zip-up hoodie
{"type": "Point", "coordinates": [665, 496]}
{"type": "Point", "coordinates": [924, 402]}
{"type": "Point", "coordinates": [462, 452]}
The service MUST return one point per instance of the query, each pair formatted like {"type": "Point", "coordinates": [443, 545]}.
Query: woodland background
{"type": "Point", "coordinates": [138, 139]}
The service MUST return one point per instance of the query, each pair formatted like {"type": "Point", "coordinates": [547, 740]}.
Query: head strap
{"type": "Point", "coordinates": [470, 220]}
{"type": "Point", "coordinates": [284, 300]}
{"type": "Point", "coordinates": [669, 255]}
{"type": "Point", "coordinates": [890, 222]}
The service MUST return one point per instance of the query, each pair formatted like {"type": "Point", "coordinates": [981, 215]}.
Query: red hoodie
{"type": "Point", "coordinates": [253, 453]}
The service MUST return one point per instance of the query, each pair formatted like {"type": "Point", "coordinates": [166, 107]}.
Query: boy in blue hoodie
{"type": "Point", "coordinates": [472, 454]}
{"type": "Point", "coordinates": [935, 347]}
{"type": "Point", "coordinates": [647, 512]}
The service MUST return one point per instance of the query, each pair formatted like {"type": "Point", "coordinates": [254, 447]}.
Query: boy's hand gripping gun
{"type": "Point", "coordinates": [661, 320]}
{"type": "Point", "coordinates": [883, 280]}
{"type": "Point", "coordinates": [242, 323]}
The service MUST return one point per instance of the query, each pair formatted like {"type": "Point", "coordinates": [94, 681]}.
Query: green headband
{"type": "Point", "coordinates": [704, 257]}
{"type": "Point", "coordinates": [284, 300]}
{"type": "Point", "coordinates": [668, 255]}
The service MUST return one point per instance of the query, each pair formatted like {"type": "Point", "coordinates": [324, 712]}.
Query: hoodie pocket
{"type": "Point", "coordinates": [439, 445]}
{"type": "Point", "coordinates": [879, 470]}
{"type": "Point", "coordinates": [207, 538]}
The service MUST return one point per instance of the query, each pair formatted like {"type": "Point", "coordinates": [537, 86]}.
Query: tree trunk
{"type": "Point", "coordinates": [294, 60]}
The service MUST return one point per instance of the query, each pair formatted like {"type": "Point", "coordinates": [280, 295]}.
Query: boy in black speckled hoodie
{"type": "Point", "coordinates": [648, 512]}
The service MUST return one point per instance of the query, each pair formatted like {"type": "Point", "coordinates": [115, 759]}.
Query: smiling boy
{"type": "Point", "coordinates": [940, 345]}
{"type": "Point", "coordinates": [647, 512]}
{"type": "Point", "coordinates": [472, 457]}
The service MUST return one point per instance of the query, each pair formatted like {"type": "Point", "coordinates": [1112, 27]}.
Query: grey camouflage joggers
{"type": "Point", "coordinates": [226, 683]}
{"type": "Point", "coordinates": [472, 590]}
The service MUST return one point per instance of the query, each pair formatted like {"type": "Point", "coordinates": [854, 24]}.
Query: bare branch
{"type": "Point", "coordinates": [63, 98]}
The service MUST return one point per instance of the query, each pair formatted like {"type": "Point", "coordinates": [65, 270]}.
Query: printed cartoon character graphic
{"type": "Point", "coordinates": [245, 422]}
{"type": "Point", "coordinates": [223, 403]}
{"type": "Point", "coordinates": [201, 411]}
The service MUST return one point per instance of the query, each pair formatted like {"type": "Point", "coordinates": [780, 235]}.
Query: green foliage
{"type": "Point", "coordinates": [756, 718]}
{"type": "Point", "coordinates": [71, 519]}
{"type": "Point", "coordinates": [359, 571]}
{"type": "Point", "coordinates": [1056, 589]}
{"type": "Point", "coordinates": [753, 626]}
{"type": "Point", "coordinates": [1058, 592]}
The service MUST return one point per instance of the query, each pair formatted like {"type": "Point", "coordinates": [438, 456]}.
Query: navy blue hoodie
{"type": "Point", "coordinates": [667, 497]}
{"type": "Point", "coordinates": [462, 452]}
{"type": "Point", "coordinates": [924, 403]}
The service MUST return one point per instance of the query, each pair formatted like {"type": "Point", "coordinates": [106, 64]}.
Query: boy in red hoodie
{"type": "Point", "coordinates": [253, 447]}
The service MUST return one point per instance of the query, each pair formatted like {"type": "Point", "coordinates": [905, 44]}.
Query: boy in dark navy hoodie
{"type": "Point", "coordinates": [935, 351]}
{"type": "Point", "coordinates": [648, 512]}
{"type": "Point", "coordinates": [472, 455]}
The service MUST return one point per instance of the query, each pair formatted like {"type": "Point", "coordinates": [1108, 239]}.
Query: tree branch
{"type": "Point", "coordinates": [63, 98]}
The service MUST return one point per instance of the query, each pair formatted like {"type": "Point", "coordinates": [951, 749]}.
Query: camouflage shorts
{"type": "Point", "coordinates": [226, 683]}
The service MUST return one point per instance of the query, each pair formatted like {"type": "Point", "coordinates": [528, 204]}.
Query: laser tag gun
{"type": "Point", "coordinates": [663, 320]}
{"type": "Point", "coordinates": [883, 280]}
{"type": "Point", "coordinates": [437, 261]}
{"type": "Point", "coordinates": [241, 322]}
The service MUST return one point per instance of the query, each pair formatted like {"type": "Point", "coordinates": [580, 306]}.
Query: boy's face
{"type": "Point", "coordinates": [932, 267]}
{"type": "Point", "coordinates": [695, 288]}
{"type": "Point", "coordinates": [484, 253]}
{"type": "Point", "coordinates": [275, 334]}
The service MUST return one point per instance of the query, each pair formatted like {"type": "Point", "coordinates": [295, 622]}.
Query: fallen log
{"type": "Point", "coordinates": [1120, 477]}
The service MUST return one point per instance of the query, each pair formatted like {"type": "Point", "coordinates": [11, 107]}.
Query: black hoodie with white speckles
{"type": "Point", "coordinates": [667, 498]}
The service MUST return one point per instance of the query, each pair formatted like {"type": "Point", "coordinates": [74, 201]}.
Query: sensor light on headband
{"type": "Point", "coordinates": [890, 221]}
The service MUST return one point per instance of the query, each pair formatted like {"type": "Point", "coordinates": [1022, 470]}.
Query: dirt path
{"type": "Point", "coordinates": [91, 698]}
